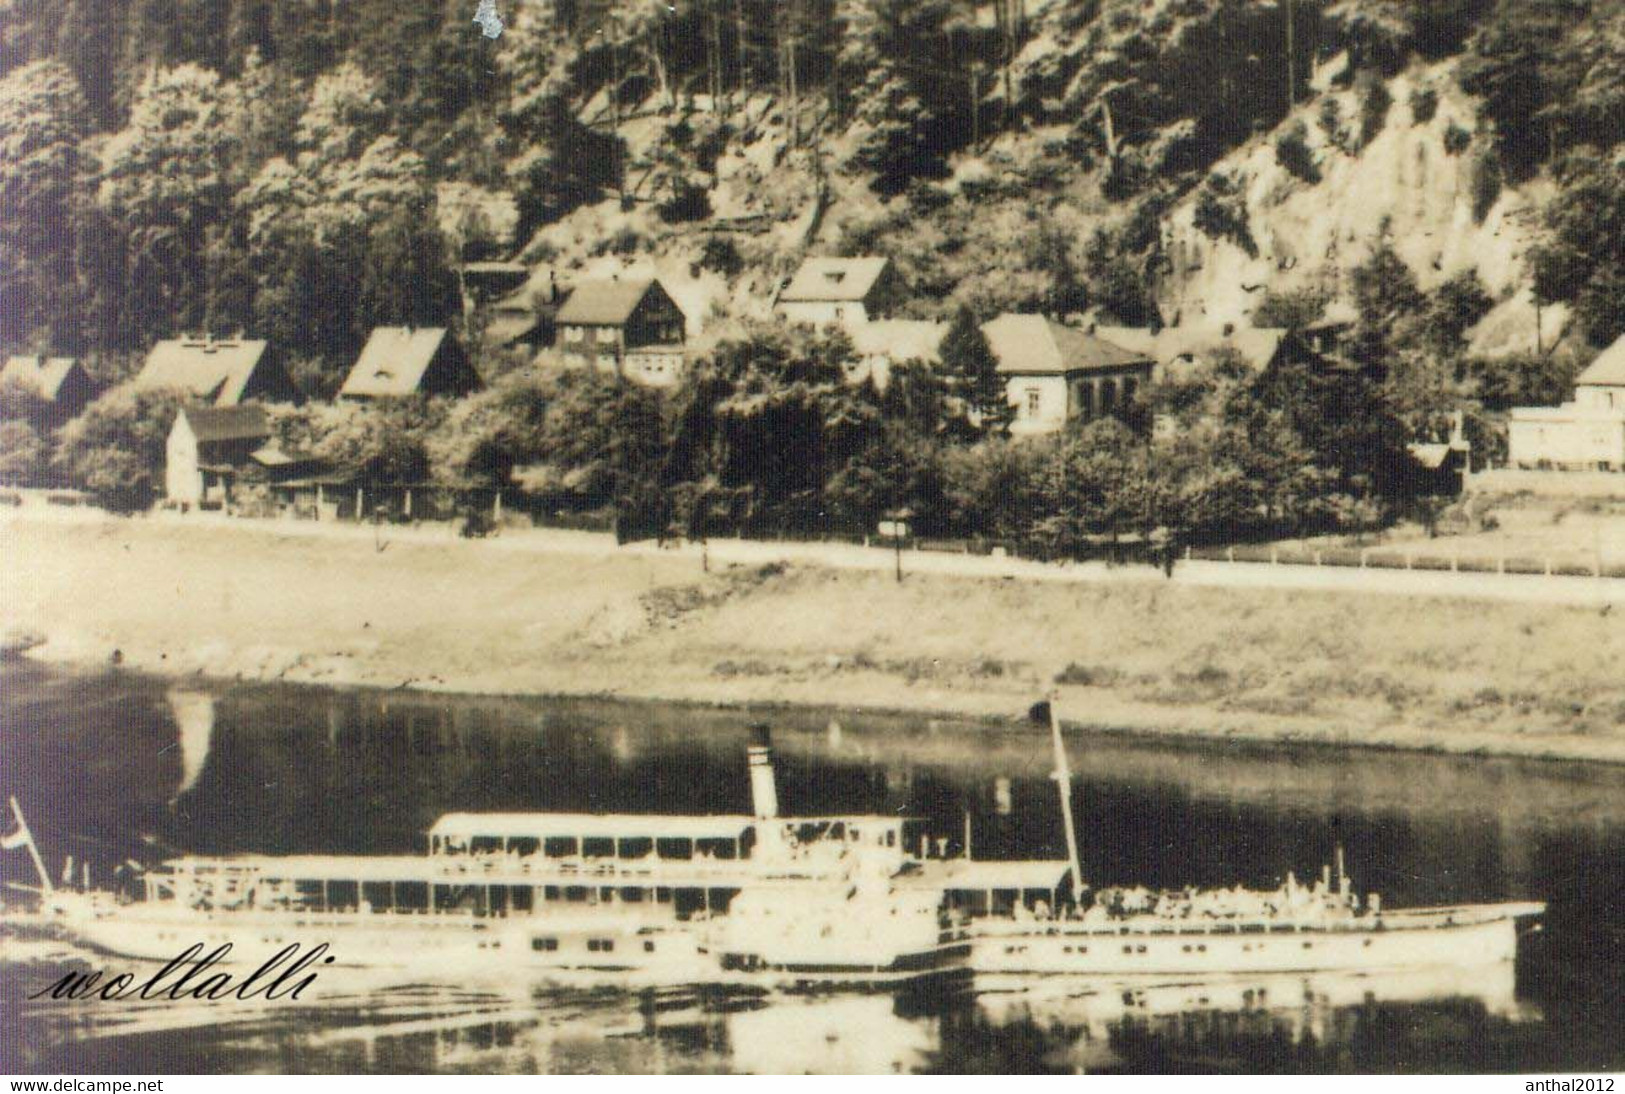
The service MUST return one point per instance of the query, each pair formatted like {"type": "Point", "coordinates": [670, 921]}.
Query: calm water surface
{"type": "Point", "coordinates": [115, 767]}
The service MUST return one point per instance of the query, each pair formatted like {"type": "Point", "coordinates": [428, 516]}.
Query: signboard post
{"type": "Point", "coordinates": [896, 528]}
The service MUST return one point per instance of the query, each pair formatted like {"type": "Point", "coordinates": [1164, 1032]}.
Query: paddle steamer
{"type": "Point", "coordinates": [869, 899]}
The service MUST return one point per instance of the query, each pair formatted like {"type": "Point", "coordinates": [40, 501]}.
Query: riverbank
{"type": "Point", "coordinates": [575, 616]}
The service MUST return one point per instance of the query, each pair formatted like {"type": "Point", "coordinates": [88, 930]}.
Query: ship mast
{"type": "Point", "coordinates": [1063, 784]}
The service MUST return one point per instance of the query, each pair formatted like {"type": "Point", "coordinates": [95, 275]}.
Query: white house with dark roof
{"type": "Point", "coordinates": [1588, 433]}
{"type": "Point", "coordinates": [207, 448]}
{"type": "Point", "coordinates": [60, 382]}
{"type": "Point", "coordinates": [1055, 373]}
{"type": "Point", "coordinates": [846, 291]}
{"type": "Point", "coordinates": [631, 328]}
{"type": "Point", "coordinates": [398, 362]}
{"type": "Point", "coordinates": [223, 372]}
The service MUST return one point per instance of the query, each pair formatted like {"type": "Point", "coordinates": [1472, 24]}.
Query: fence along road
{"type": "Point", "coordinates": [1538, 588]}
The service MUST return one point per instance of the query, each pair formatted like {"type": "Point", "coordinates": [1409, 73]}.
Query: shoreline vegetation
{"type": "Point", "coordinates": [1139, 656]}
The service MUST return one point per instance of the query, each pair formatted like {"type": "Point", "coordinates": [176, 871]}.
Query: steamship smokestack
{"type": "Point", "coordinates": [764, 794]}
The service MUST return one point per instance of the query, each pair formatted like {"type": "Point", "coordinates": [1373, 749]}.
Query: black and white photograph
{"type": "Point", "coordinates": [842, 537]}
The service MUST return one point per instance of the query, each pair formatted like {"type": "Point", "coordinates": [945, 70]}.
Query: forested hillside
{"type": "Point", "coordinates": [304, 170]}
{"type": "Point", "coordinates": [181, 164]}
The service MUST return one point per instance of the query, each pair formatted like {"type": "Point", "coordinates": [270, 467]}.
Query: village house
{"type": "Point", "coordinates": [1177, 351]}
{"type": "Point", "coordinates": [61, 383]}
{"type": "Point", "coordinates": [885, 343]}
{"type": "Point", "coordinates": [211, 449]}
{"type": "Point", "coordinates": [632, 329]}
{"type": "Point", "coordinates": [525, 318]}
{"type": "Point", "coordinates": [207, 450]}
{"type": "Point", "coordinates": [400, 361]}
{"type": "Point", "coordinates": [223, 372]}
{"type": "Point", "coordinates": [1587, 433]}
{"type": "Point", "coordinates": [1055, 373]}
{"type": "Point", "coordinates": [849, 292]}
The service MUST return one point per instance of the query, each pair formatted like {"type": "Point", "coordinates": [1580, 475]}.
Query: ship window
{"type": "Point", "coordinates": [377, 894]}
{"type": "Point", "coordinates": [343, 895]}
{"type": "Point", "coordinates": [559, 847]}
{"type": "Point", "coordinates": [601, 945]}
{"type": "Point", "coordinates": [715, 848]}
{"type": "Point", "coordinates": [598, 847]}
{"type": "Point", "coordinates": [1139, 949]}
{"type": "Point", "coordinates": [631, 895]}
{"type": "Point", "coordinates": [546, 944]}
{"type": "Point", "coordinates": [524, 846]}
{"type": "Point", "coordinates": [485, 845]}
{"type": "Point", "coordinates": [675, 848]}
{"type": "Point", "coordinates": [637, 848]}
{"type": "Point", "coordinates": [606, 894]}
{"type": "Point", "coordinates": [1308, 945]}
{"type": "Point", "coordinates": [1368, 942]}
{"type": "Point", "coordinates": [550, 892]}
{"type": "Point", "coordinates": [663, 895]}
{"type": "Point", "coordinates": [648, 947]}
{"type": "Point", "coordinates": [524, 898]}
{"type": "Point", "coordinates": [1202, 948]}
{"type": "Point", "coordinates": [576, 893]}
{"type": "Point", "coordinates": [1128, 949]}
{"type": "Point", "coordinates": [412, 896]}
{"type": "Point", "coordinates": [309, 894]}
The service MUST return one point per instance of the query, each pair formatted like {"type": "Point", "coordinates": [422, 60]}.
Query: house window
{"type": "Point", "coordinates": [606, 361]}
{"type": "Point", "coordinates": [840, 312]}
{"type": "Point", "coordinates": [1035, 399]}
{"type": "Point", "coordinates": [574, 334]}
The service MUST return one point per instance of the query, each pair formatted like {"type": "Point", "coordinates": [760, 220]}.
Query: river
{"type": "Point", "coordinates": [112, 767]}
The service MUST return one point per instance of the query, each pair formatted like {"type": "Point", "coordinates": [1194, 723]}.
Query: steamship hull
{"type": "Point", "coordinates": [1466, 936]}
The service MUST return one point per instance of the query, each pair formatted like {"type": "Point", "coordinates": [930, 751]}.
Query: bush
{"type": "Point", "coordinates": [687, 202]}
{"type": "Point", "coordinates": [1293, 154]}
{"type": "Point", "coordinates": [721, 256]}
{"type": "Point", "coordinates": [1374, 111]}
{"type": "Point", "coordinates": [1486, 185]}
{"type": "Point", "coordinates": [1221, 213]}
{"type": "Point", "coordinates": [1424, 105]}
{"type": "Point", "coordinates": [1331, 121]}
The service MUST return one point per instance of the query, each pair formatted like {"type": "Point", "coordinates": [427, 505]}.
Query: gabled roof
{"type": "Point", "coordinates": [227, 423]}
{"type": "Point", "coordinates": [832, 279]}
{"type": "Point", "coordinates": [40, 374]}
{"type": "Point", "coordinates": [393, 361]}
{"type": "Point", "coordinates": [1608, 370]}
{"type": "Point", "coordinates": [604, 303]}
{"type": "Point", "coordinates": [217, 372]}
{"type": "Point", "coordinates": [1031, 344]}
{"type": "Point", "coordinates": [1172, 345]}
{"type": "Point", "coordinates": [899, 339]}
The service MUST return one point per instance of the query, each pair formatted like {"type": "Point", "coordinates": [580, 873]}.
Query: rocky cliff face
{"type": "Point", "coordinates": [1418, 185]}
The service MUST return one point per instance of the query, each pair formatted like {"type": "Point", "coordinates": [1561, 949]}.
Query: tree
{"type": "Point", "coordinates": [22, 453]}
{"type": "Point", "coordinates": [1289, 309]}
{"type": "Point", "coordinates": [166, 180]}
{"type": "Point", "coordinates": [1583, 259]}
{"type": "Point", "coordinates": [973, 372]}
{"type": "Point", "coordinates": [116, 448]}
{"type": "Point", "coordinates": [43, 122]}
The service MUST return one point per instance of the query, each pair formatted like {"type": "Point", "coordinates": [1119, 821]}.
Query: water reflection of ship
{"type": "Point", "coordinates": [1085, 1025]}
